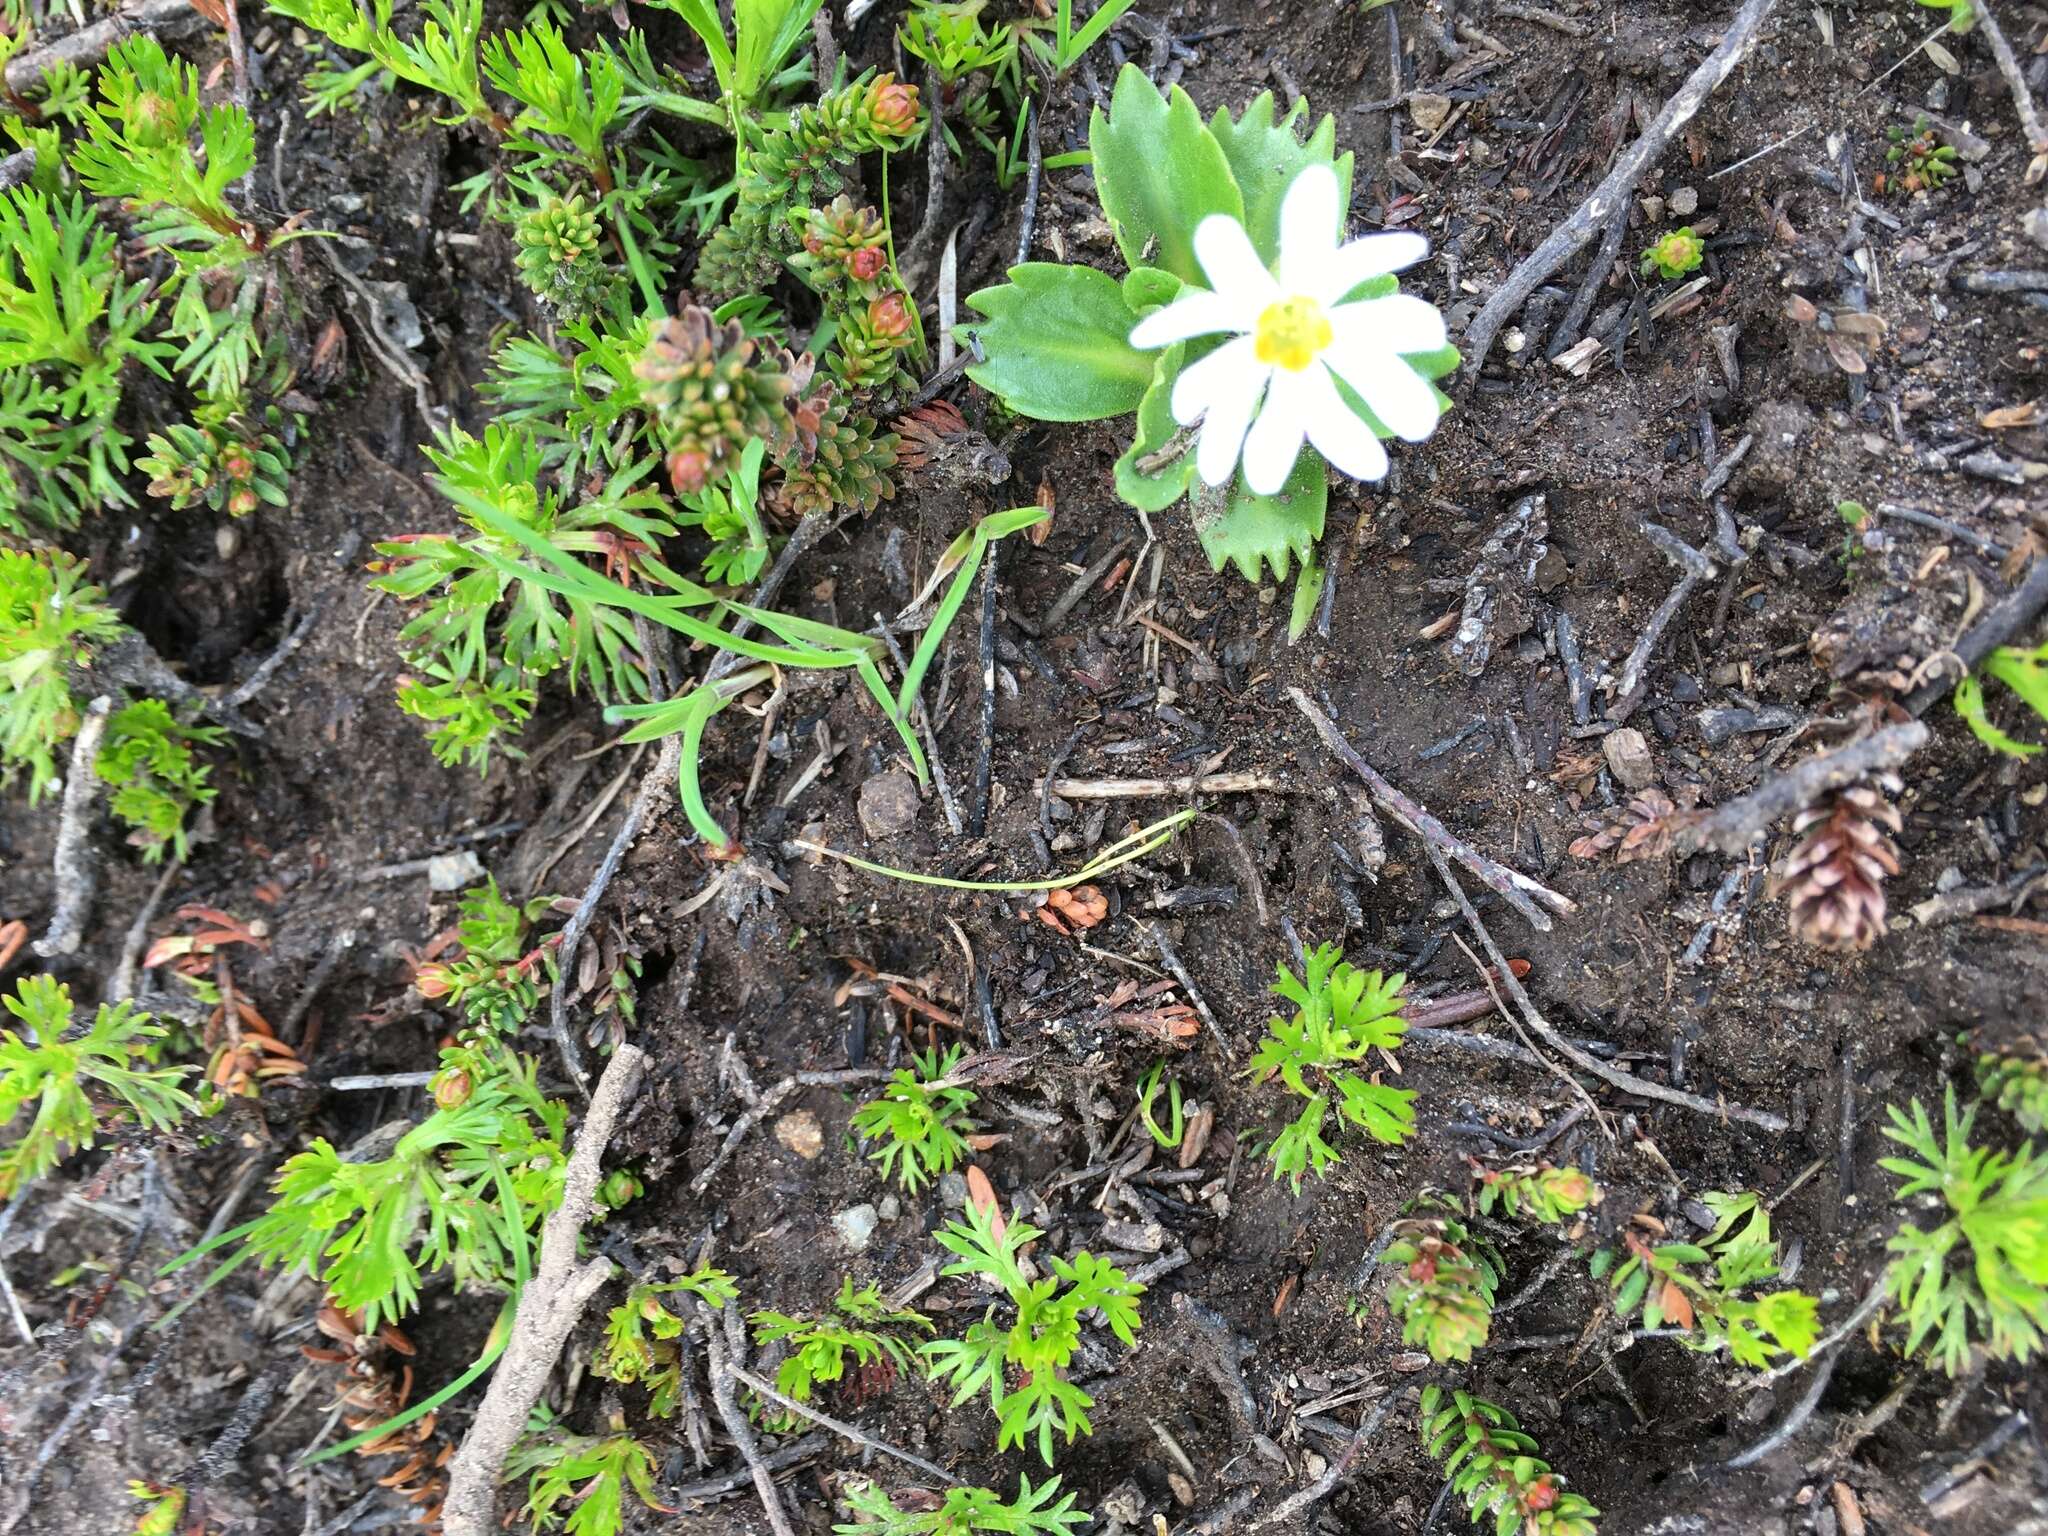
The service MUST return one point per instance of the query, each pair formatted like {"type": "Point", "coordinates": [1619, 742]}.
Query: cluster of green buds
{"type": "Point", "coordinates": [1676, 254]}
{"type": "Point", "coordinates": [845, 258]}
{"type": "Point", "coordinates": [1542, 1193]}
{"type": "Point", "coordinates": [845, 247]}
{"type": "Point", "coordinates": [1923, 162]}
{"type": "Point", "coordinates": [712, 389]}
{"type": "Point", "coordinates": [1443, 1294]}
{"type": "Point", "coordinates": [847, 463]}
{"type": "Point", "coordinates": [558, 256]}
{"type": "Point", "coordinates": [223, 464]}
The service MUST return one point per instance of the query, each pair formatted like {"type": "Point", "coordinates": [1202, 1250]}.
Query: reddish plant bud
{"type": "Point", "coordinates": [689, 470]}
{"type": "Point", "coordinates": [450, 1088]}
{"type": "Point", "coordinates": [892, 105]}
{"type": "Point", "coordinates": [242, 503]}
{"type": "Point", "coordinates": [867, 263]}
{"type": "Point", "coordinates": [889, 316]}
{"type": "Point", "coordinates": [1542, 1494]}
{"type": "Point", "coordinates": [812, 243]}
{"type": "Point", "coordinates": [431, 980]}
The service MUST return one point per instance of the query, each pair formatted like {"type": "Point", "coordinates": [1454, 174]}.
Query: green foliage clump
{"type": "Point", "coordinates": [819, 1347]}
{"type": "Point", "coordinates": [1695, 1286]}
{"type": "Point", "coordinates": [849, 467]}
{"type": "Point", "coordinates": [222, 460]}
{"type": "Point", "coordinates": [713, 389]}
{"type": "Point", "coordinates": [1923, 162]}
{"type": "Point", "coordinates": [845, 259]}
{"type": "Point", "coordinates": [1962, 14]}
{"type": "Point", "coordinates": [919, 1120]}
{"type": "Point", "coordinates": [496, 980]}
{"type": "Point", "coordinates": [640, 1335]}
{"type": "Point", "coordinates": [1341, 1015]}
{"type": "Point", "coordinates": [560, 243]}
{"type": "Point", "coordinates": [69, 325]}
{"type": "Point", "coordinates": [465, 1192]}
{"type": "Point", "coordinates": [1674, 255]}
{"type": "Point", "coordinates": [1981, 1276]}
{"type": "Point", "coordinates": [441, 59]}
{"type": "Point", "coordinates": [1037, 1347]}
{"type": "Point", "coordinates": [1544, 1193]}
{"type": "Point", "coordinates": [963, 1511]}
{"type": "Point", "coordinates": [147, 756]}
{"type": "Point", "coordinates": [50, 618]}
{"type": "Point", "coordinates": [590, 1473]}
{"type": "Point", "coordinates": [801, 164]}
{"type": "Point", "coordinates": [2018, 1085]}
{"type": "Point", "coordinates": [1443, 1295]}
{"type": "Point", "coordinates": [1493, 1466]}
{"type": "Point", "coordinates": [53, 1075]}
{"type": "Point", "coordinates": [2025, 672]}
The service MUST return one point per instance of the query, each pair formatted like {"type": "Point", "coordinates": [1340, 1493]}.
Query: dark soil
{"type": "Point", "coordinates": [340, 784]}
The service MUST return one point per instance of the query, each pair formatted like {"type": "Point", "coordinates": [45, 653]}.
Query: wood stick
{"type": "Point", "coordinates": [1243, 783]}
{"type": "Point", "coordinates": [76, 874]}
{"type": "Point", "coordinates": [755, 1384]}
{"type": "Point", "coordinates": [1591, 216]}
{"type": "Point", "coordinates": [1730, 828]}
{"type": "Point", "coordinates": [2005, 619]}
{"type": "Point", "coordinates": [2016, 82]}
{"type": "Point", "coordinates": [1512, 886]}
{"type": "Point", "coordinates": [548, 1309]}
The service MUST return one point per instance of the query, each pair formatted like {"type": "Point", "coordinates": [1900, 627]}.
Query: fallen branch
{"type": "Point", "coordinates": [1790, 1426]}
{"type": "Point", "coordinates": [723, 1373]}
{"type": "Point", "coordinates": [1172, 789]}
{"type": "Point", "coordinates": [1696, 568]}
{"type": "Point", "coordinates": [1591, 216]}
{"type": "Point", "coordinates": [1325, 1485]}
{"type": "Point", "coordinates": [1511, 886]}
{"type": "Point", "coordinates": [75, 874]}
{"type": "Point", "coordinates": [1732, 827]}
{"type": "Point", "coordinates": [1614, 1077]}
{"type": "Point", "coordinates": [2005, 619]}
{"type": "Point", "coordinates": [548, 1308]}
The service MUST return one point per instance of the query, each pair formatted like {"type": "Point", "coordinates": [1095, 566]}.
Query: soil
{"type": "Point", "coordinates": [780, 973]}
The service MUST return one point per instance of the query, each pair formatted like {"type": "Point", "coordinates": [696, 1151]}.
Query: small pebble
{"type": "Point", "coordinates": [888, 804]}
{"type": "Point", "coordinates": [856, 1226]}
{"type": "Point", "coordinates": [454, 871]}
{"type": "Point", "coordinates": [1628, 758]}
{"type": "Point", "coordinates": [801, 1133]}
{"type": "Point", "coordinates": [1685, 201]}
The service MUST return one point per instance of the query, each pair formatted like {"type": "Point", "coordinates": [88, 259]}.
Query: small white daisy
{"type": "Point", "coordinates": [1292, 332]}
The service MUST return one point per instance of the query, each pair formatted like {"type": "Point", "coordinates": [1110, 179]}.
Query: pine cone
{"type": "Point", "coordinates": [849, 466]}
{"type": "Point", "coordinates": [712, 389]}
{"type": "Point", "coordinates": [1641, 830]}
{"type": "Point", "coordinates": [1833, 884]}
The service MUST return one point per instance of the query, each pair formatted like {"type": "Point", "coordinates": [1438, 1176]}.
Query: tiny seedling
{"type": "Point", "coordinates": [1228, 371]}
{"type": "Point", "coordinates": [1674, 255]}
{"type": "Point", "coordinates": [2018, 1085]}
{"type": "Point", "coordinates": [1979, 1277]}
{"type": "Point", "coordinates": [55, 1077]}
{"type": "Point", "coordinates": [589, 1473]}
{"type": "Point", "coordinates": [1148, 1096]}
{"type": "Point", "coordinates": [962, 1512]}
{"type": "Point", "coordinates": [919, 1122]}
{"type": "Point", "coordinates": [1068, 44]}
{"type": "Point", "coordinates": [1036, 1348]}
{"type": "Point", "coordinates": [1493, 1466]}
{"type": "Point", "coordinates": [1962, 14]}
{"type": "Point", "coordinates": [1694, 1287]}
{"type": "Point", "coordinates": [641, 1334]}
{"type": "Point", "coordinates": [1443, 1295]}
{"type": "Point", "coordinates": [465, 1192]}
{"type": "Point", "coordinates": [165, 1511]}
{"type": "Point", "coordinates": [1855, 521]}
{"type": "Point", "coordinates": [496, 980]}
{"type": "Point", "coordinates": [442, 58]}
{"type": "Point", "coordinates": [1342, 1014]}
{"type": "Point", "coordinates": [147, 756]}
{"type": "Point", "coordinates": [1921, 162]}
{"type": "Point", "coordinates": [1542, 1193]}
{"type": "Point", "coordinates": [819, 1348]}
{"type": "Point", "coordinates": [2025, 672]}
{"type": "Point", "coordinates": [50, 619]}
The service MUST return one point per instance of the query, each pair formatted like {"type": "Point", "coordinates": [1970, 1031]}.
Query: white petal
{"type": "Point", "coordinates": [1226, 254]}
{"type": "Point", "coordinates": [1310, 221]}
{"type": "Point", "coordinates": [1367, 257]}
{"type": "Point", "coordinates": [1339, 436]}
{"type": "Point", "coordinates": [1276, 437]}
{"type": "Point", "coordinates": [1201, 382]}
{"type": "Point", "coordinates": [1398, 323]}
{"type": "Point", "coordinates": [1223, 429]}
{"type": "Point", "coordinates": [1196, 313]}
{"type": "Point", "coordinates": [1398, 395]}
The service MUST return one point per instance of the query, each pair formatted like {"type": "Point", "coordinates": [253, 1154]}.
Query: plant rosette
{"type": "Point", "coordinates": [1245, 331]}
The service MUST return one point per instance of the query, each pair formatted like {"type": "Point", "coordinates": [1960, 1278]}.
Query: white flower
{"type": "Point", "coordinates": [1292, 332]}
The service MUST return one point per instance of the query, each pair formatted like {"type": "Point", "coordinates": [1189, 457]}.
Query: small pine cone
{"type": "Point", "coordinates": [848, 468]}
{"type": "Point", "coordinates": [1833, 884]}
{"type": "Point", "coordinates": [712, 389]}
{"type": "Point", "coordinates": [928, 432]}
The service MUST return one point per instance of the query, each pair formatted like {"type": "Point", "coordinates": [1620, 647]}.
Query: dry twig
{"type": "Point", "coordinates": [547, 1310]}
{"type": "Point", "coordinates": [1731, 827]}
{"type": "Point", "coordinates": [75, 873]}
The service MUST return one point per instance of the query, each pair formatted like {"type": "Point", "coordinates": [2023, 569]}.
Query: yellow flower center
{"type": "Point", "coordinates": [1291, 333]}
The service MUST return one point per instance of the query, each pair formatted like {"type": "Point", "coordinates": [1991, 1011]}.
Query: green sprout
{"type": "Point", "coordinates": [820, 1347]}
{"type": "Point", "coordinates": [1675, 254]}
{"type": "Point", "coordinates": [1694, 1287]}
{"type": "Point", "coordinates": [1443, 1296]}
{"type": "Point", "coordinates": [963, 1512]}
{"type": "Point", "coordinates": [2018, 1085]}
{"type": "Point", "coordinates": [496, 980]}
{"type": "Point", "coordinates": [1493, 1466]}
{"type": "Point", "coordinates": [1035, 1350]}
{"type": "Point", "coordinates": [2025, 673]}
{"type": "Point", "coordinates": [147, 756]}
{"type": "Point", "coordinates": [1342, 1014]}
{"type": "Point", "coordinates": [919, 1122]}
{"type": "Point", "coordinates": [1148, 1095]}
{"type": "Point", "coordinates": [1981, 1276]}
{"type": "Point", "coordinates": [590, 1473]}
{"type": "Point", "coordinates": [50, 619]}
{"type": "Point", "coordinates": [641, 1335]}
{"type": "Point", "coordinates": [1544, 1194]}
{"type": "Point", "coordinates": [55, 1075]}
{"type": "Point", "coordinates": [1924, 163]}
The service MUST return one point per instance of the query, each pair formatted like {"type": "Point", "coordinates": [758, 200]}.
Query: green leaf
{"type": "Point", "coordinates": [1159, 172]}
{"type": "Point", "coordinates": [1239, 527]}
{"type": "Point", "coordinates": [1160, 487]}
{"type": "Point", "coordinates": [1058, 344]}
{"type": "Point", "coordinates": [1265, 156]}
{"type": "Point", "coordinates": [769, 31]}
{"type": "Point", "coordinates": [1148, 288]}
